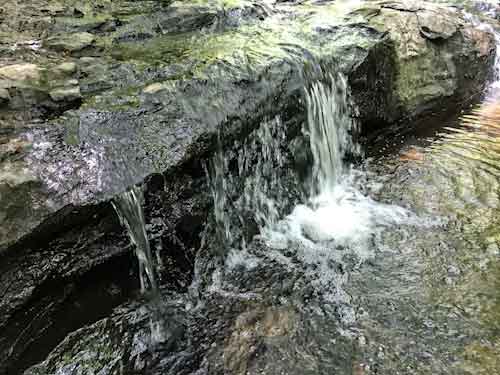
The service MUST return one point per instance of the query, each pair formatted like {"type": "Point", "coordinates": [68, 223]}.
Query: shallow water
{"type": "Point", "coordinates": [386, 266]}
{"type": "Point", "coordinates": [390, 266]}
{"type": "Point", "coordinates": [396, 271]}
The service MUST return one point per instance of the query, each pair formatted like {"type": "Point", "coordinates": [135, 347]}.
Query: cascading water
{"type": "Point", "coordinates": [255, 196]}
{"type": "Point", "coordinates": [329, 127]}
{"type": "Point", "coordinates": [129, 209]}
{"type": "Point", "coordinates": [335, 219]}
{"type": "Point", "coordinates": [336, 209]}
{"type": "Point", "coordinates": [128, 206]}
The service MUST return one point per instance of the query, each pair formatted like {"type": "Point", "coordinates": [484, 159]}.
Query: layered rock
{"type": "Point", "coordinates": [123, 93]}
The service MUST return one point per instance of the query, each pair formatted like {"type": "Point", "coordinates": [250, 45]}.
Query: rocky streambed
{"type": "Point", "coordinates": [98, 96]}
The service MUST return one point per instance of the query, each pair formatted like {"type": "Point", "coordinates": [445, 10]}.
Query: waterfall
{"type": "Point", "coordinates": [263, 193]}
{"type": "Point", "coordinates": [128, 206]}
{"type": "Point", "coordinates": [334, 217]}
{"type": "Point", "coordinates": [253, 195]}
{"type": "Point", "coordinates": [337, 212]}
{"type": "Point", "coordinates": [329, 126]}
{"type": "Point", "coordinates": [220, 195]}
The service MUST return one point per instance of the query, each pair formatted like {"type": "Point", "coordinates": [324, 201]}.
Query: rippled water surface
{"type": "Point", "coordinates": [437, 298]}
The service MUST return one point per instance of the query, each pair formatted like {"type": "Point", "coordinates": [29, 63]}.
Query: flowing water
{"type": "Point", "coordinates": [390, 265]}
{"type": "Point", "coordinates": [386, 266]}
{"type": "Point", "coordinates": [323, 256]}
{"type": "Point", "coordinates": [128, 206]}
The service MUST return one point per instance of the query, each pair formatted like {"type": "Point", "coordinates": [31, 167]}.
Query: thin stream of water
{"type": "Point", "coordinates": [128, 206]}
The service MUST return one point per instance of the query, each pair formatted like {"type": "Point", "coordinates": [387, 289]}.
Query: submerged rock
{"type": "Point", "coordinates": [164, 82]}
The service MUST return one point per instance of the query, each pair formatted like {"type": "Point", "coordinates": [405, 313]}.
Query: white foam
{"type": "Point", "coordinates": [241, 257]}
{"type": "Point", "coordinates": [342, 216]}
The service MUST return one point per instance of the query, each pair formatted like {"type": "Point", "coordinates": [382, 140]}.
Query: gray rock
{"type": "Point", "coordinates": [152, 111]}
{"type": "Point", "coordinates": [20, 72]}
{"type": "Point", "coordinates": [67, 68]}
{"type": "Point", "coordinates": [434, 25]}
{"type": "Point", "coordinates": [71, 43]}
{"type": "Point", "coordinates": [4, 95]}
{"type": "Point", "coordinates": [66, 94]}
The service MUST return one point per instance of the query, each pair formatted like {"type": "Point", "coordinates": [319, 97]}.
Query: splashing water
{"type": "Point", "coordinates": [337, 213]}
{"type": "Point", "coordinates": [255, 197]}
{"type": "Point", "coordinates": [263, 194]}
{"type": "Point", "coordinates": [334, 222]}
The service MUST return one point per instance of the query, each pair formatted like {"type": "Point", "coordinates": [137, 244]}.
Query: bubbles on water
{"type": "Point", "coordinates": [342, 217]}
{"type": "Point", "coordinates": [334, 233]}
{"type": "Point", "coordinates": [337, 213]}
{"type": "Point", "coordinates": [243, 258]}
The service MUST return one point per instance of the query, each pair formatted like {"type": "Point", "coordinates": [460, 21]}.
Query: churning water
{"type": "Point", "coordinates": [336, 210]}
{"type": "Point", "coordinates": [334, 217]}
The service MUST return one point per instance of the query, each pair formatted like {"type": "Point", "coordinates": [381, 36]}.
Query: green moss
{"type": "Point", "coordinates": [115, 100]}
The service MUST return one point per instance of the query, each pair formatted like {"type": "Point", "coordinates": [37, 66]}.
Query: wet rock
{"type": "Point", "coordinates": [29, 86]}
{"type": "Point", "coordinates": [250, 327]}
{"type": "Point", "coordinates": [492, 249]}
{"type": "Point", "coordinates": [4, 95]}
{"type": "Point", "coordinates": [20, 72]}
{"type": "Point", "coordinates": [437, 58]}
{"type": "Point", "coordinates": [12, 147]}
{"type": "Point", "coordinates": [155, 103]}
{"type": "Point", "coordinates": [71, 43]}
{"type": "Point", "coordinates": [117, 344]}
{"type": "Point", "coordinates": [436, 25]}
{"type": "Point", "coordinates": [67, 68]}
{"type": "Point", "coordinates": [68, 94]}
{"type": "Point", "coordinates": [153, 88]}
{"type": "Point", "coordinates": [21, 85]}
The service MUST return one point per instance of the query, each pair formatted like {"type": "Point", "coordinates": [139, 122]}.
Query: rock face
{"type": "Point", "coordinates": [71, 43]}
{"type": "Point", "coordinates": [110, 94]}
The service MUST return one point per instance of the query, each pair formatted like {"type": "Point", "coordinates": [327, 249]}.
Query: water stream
{"type": "Point", "coordinates": [320, 256]}
{"type": "Point", "coordinates": [128, 206]}
{"type": "Point", "coordinates": [381, 255]}
{"type": "Point", "coordinates": [398, 253]}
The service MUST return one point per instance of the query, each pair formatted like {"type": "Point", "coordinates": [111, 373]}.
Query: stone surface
{"type": "Point", "coordinates": [163, 80]}
{"type": "Point", "coordinates": [67, 68]}
{"type": "Point", "coordinates": [431, 62]}
{"type": "Point", "coordinates": [20, 72]}
{"type": "Point", "coordinates": [71, 43]}
{"type": "Point", "coordinates": [66, 94]}
{"type": "Point", "coordinates": [4, 95]}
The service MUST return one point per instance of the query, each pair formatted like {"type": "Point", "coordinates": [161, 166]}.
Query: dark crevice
{"type": "Point", "coordinates": [61, 306]}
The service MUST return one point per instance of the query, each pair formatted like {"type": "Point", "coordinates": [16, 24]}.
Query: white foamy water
{"type": "Point", "coordinates": [337, 227]}
{"type": "Point", "coordinates": [337, 214]}
{"type": "Point", "coordinates": [341, 217]}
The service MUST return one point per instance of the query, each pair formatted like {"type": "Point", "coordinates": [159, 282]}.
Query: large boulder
{"type": "Point", "coordinates": [157, 85]}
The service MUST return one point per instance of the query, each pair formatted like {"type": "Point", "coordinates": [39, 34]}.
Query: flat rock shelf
{"type": "Point", "coordinates": [96, 97]}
